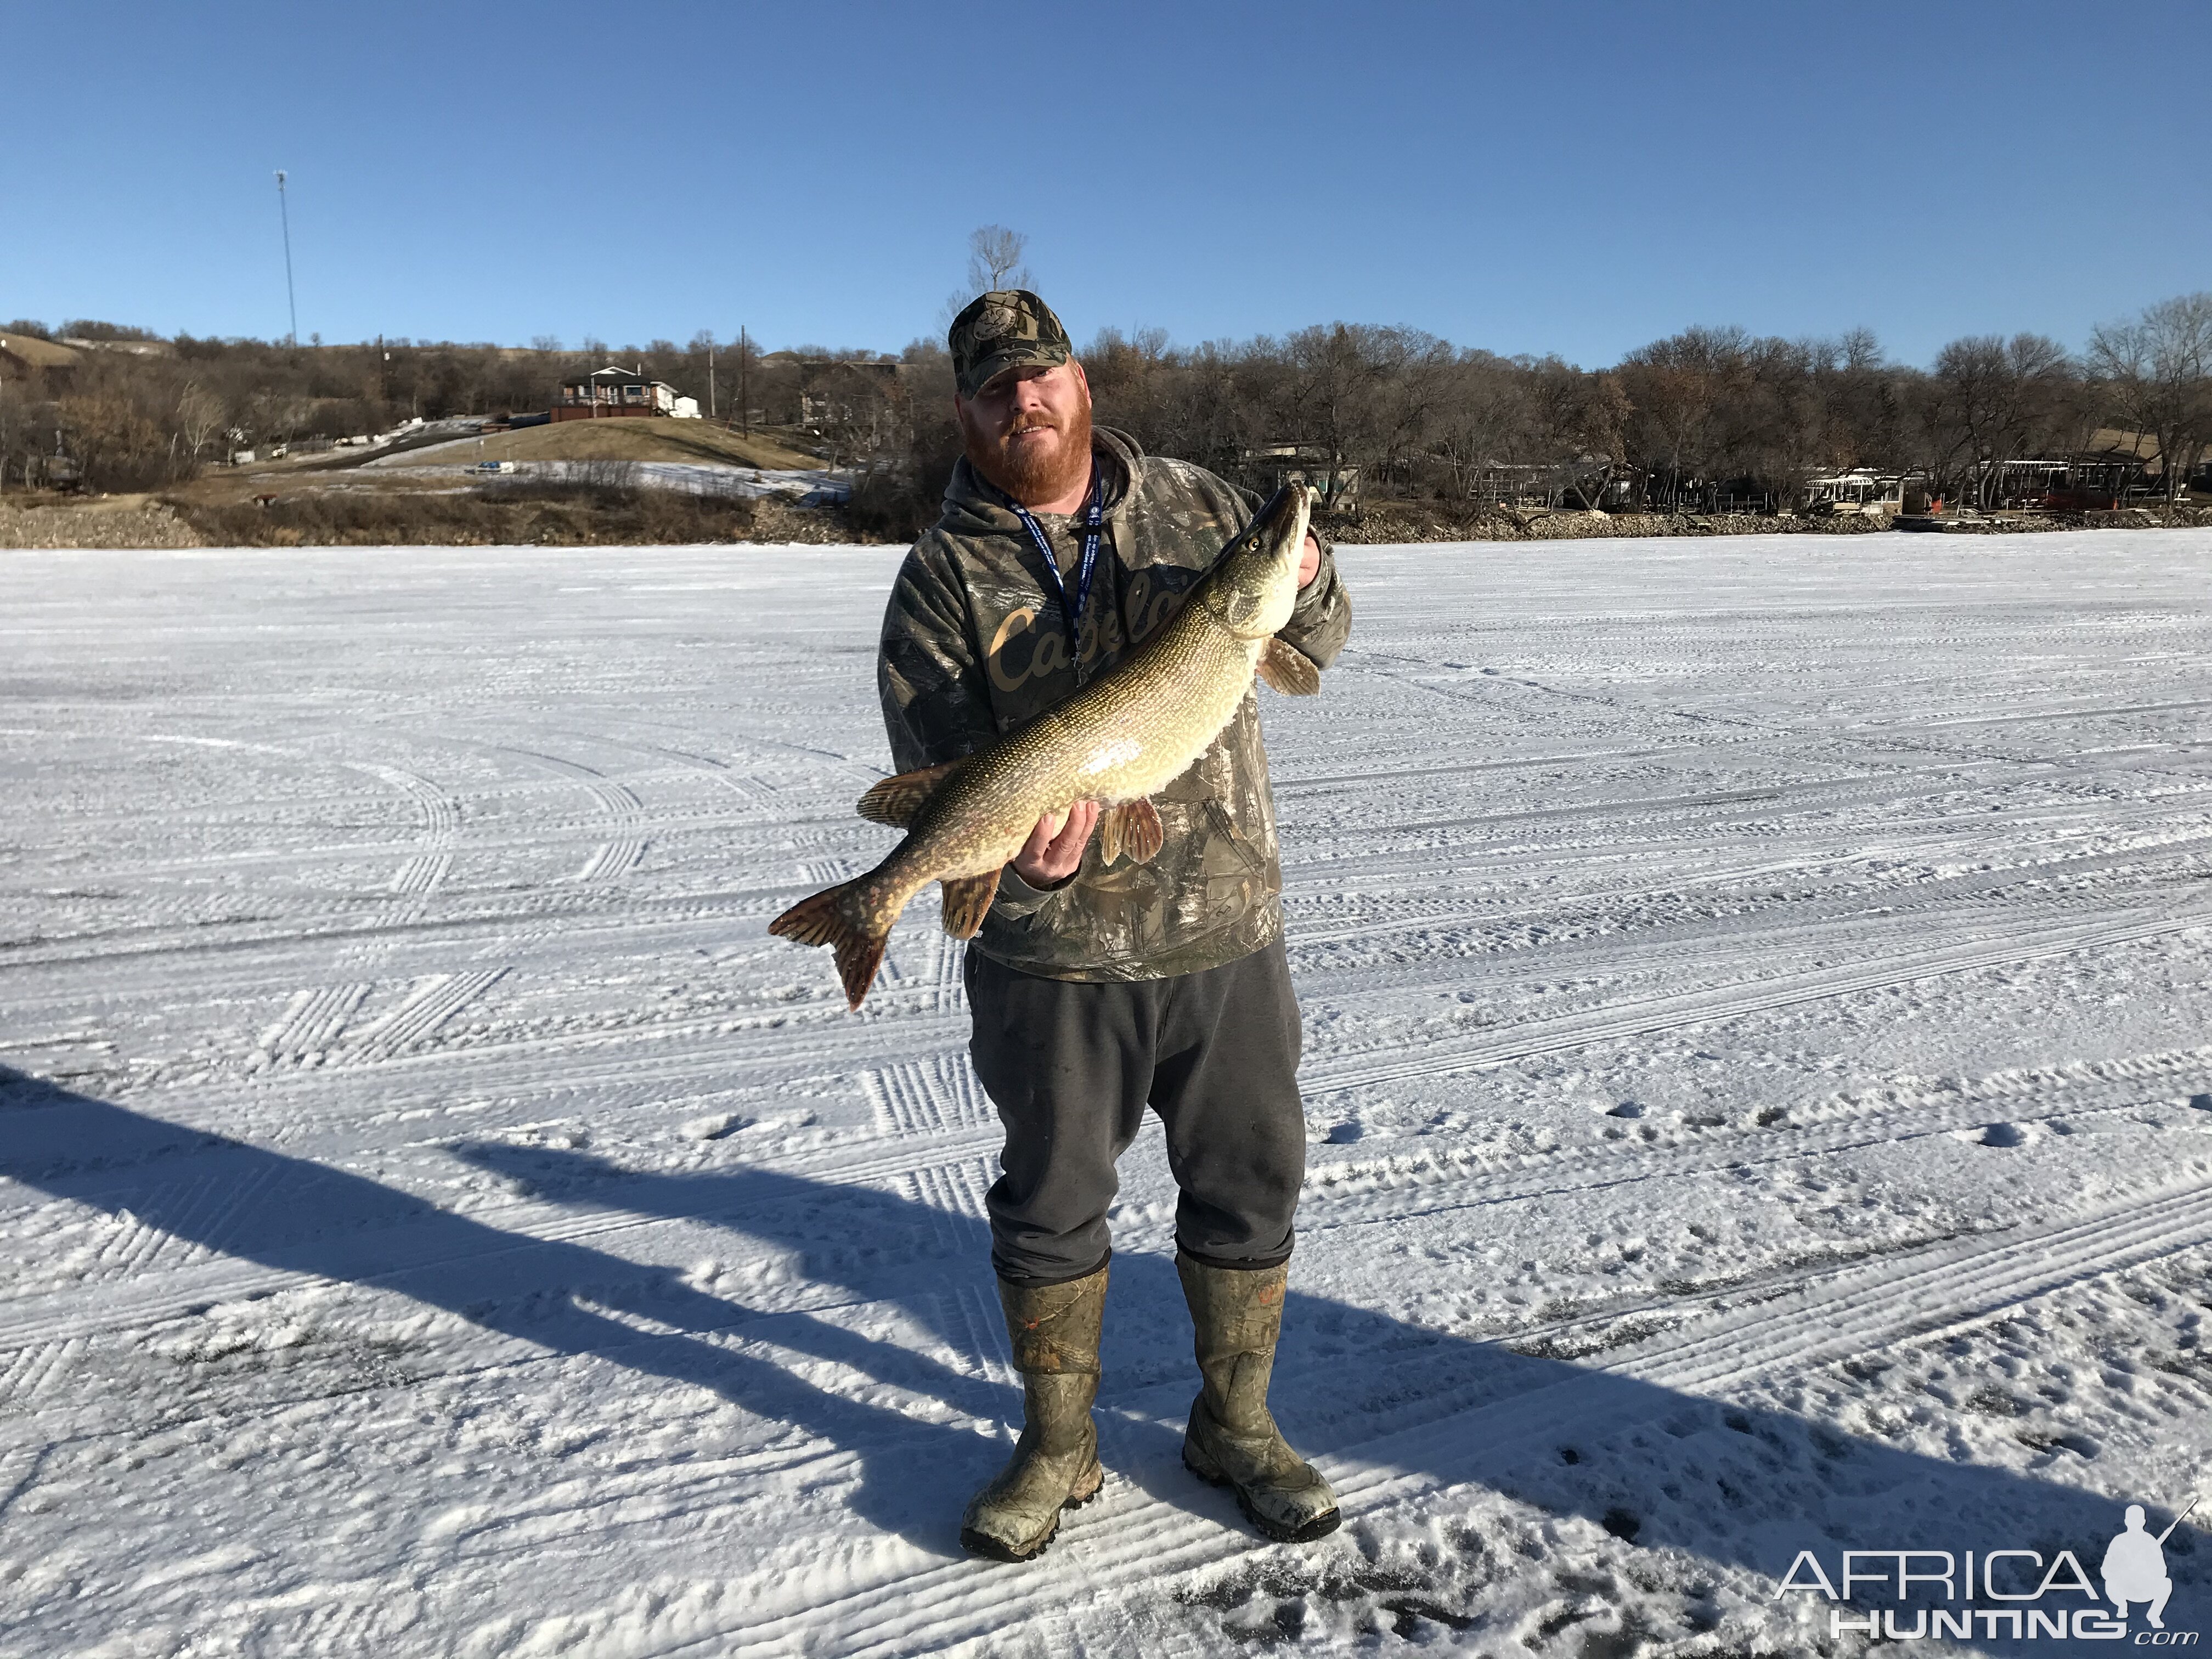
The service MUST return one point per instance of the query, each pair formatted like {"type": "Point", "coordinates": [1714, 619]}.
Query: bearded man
{"type": "Point", "coordinates": [1098, 990]}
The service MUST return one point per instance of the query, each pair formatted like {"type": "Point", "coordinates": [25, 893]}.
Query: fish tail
{"type": "Point", "coordinates": [840, 918]}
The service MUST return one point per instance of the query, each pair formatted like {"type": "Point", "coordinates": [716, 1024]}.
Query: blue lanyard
{"type": "Point", "coordinates": [1094, 517]}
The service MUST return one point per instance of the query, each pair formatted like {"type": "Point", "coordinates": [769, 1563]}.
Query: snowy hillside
{"type": "Point", "coordinates": [1758, 1068]}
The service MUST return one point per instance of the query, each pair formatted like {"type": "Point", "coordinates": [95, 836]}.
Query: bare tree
{"type": "Point", "coordinates": [115, 443]}
{"type": "Point", "coordinates": [17, 410]}
{"type": "Point", "coordinates": [1994, 399]}
{"type": "Point", "coordinates": [1480, 421]}
{"type": "Point", "coordinates": [276, 416]}
{"type": "Point", "coordinates": [1677, 389]}
{"type": "Point", "coordinates": [994, 261]}
{"type": "Point", "coordinates": [2158, 372]}
{"type": "Point", "coordinates": [200, 416]}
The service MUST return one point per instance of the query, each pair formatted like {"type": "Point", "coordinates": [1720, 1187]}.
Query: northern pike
{"type": "Point", "coordinates": [1116, 740]}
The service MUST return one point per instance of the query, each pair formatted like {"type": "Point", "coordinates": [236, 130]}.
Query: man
{"type": "Point", "coordinates": [1098, 990]}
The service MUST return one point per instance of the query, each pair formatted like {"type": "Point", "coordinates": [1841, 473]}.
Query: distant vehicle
{"type": "Point", "coordinates": [494, 466]}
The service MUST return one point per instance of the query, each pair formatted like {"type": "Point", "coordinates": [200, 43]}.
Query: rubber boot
{"type": "Point", "coordinates": [1055, 1462]}
{"type": "Point", "coordinates": [1233, 1440]}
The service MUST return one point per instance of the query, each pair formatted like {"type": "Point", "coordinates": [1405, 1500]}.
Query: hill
{"type": "Point", "coordinates": [620, 439]}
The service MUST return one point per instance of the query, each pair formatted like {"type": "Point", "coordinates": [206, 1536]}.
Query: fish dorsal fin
{"type": "Point", "coordinates": [1133, 828]}
{"type": "Point", "coordinates": [897, 801]}
{"type": "Point", "coordinates": [1287, 669]}
{"type": "Point", "coordinates": [966, 902]}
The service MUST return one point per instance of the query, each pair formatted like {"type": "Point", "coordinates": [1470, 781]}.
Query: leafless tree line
{"type": "Point", "coordinates": [133, 421]}
{"type": "Point", "coordinates": [1673, 423]}
{"type": "Point", "coordinates": [1678, 423]}
{"type": "Point", "coordinates": [1706, 416]}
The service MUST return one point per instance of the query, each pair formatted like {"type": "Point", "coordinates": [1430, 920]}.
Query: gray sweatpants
{"type": "Point", "coordinates": [1071, 1066]}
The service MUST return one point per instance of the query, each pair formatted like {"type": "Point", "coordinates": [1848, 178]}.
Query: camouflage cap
{"type": "Point", "coordinates": [1011, 328]}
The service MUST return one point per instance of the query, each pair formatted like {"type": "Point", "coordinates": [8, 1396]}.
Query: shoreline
{"type": "Point", "coordinates": [121, 523]}
{"type": "Point", "coordinates": [1388, 525]}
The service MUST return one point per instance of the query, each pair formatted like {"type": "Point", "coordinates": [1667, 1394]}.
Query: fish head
{"type": "Point", "coordinates": [1255, 582]}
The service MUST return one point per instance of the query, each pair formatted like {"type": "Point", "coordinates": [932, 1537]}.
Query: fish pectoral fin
{"type": "Point", "coordinates": [1133, 828]}
{"type": "Point", "coordinates": [897, 801]}
{"type": "Point", "coordinates": [1288, 669]}
{"type": "Point", "coordinates": [967, 901]}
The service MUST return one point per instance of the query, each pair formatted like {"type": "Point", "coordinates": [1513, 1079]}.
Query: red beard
{"type": "Point", "coordinates": [1032, 472]}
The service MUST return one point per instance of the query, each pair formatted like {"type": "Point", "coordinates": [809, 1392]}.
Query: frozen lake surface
{"type": "Point", "coordinates": [1757, 1069]}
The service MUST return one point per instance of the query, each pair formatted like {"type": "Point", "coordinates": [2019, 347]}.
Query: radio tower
{"type": "Point", "coordinates": [285, 214]}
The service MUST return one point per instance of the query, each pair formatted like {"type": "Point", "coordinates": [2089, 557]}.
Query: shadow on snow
{"type": "Point", "coordinates": [1748, 1487]}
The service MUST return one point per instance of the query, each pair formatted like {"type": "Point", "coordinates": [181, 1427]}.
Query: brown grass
{"type": "Point", "coordinates": [521, 512]}
{"type": "Point", "coordinates": [629, 439]}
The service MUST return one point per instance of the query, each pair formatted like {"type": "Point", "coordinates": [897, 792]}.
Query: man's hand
{"type": "Point", "coordinates": [1309, 561]}
{"type": "Point", "coordinates": [1055, 847]}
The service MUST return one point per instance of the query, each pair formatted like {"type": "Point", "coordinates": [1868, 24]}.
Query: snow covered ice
{"type": "Point", "coordinates": [1757, 1075]}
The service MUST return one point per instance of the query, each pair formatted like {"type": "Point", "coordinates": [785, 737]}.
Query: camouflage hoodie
{"type": "Point", "coordinates": [974, 642]}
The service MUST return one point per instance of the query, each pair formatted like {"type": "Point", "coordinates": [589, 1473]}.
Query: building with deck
{"type": "Point", "coordinates": [616, 391]}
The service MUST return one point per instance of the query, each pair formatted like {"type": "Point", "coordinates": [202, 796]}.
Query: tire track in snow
{"type": "Point", "coordinates": [1366, 850]}
{"type": "Point", "coordinates": [778, 1055]}
{"type": "Point", "coordinates": [434, 1002]}
{"type": "Point", "coordinates": [32, 1371]}
{"type": "Point", "coordinates": [316, 1016]}
{"type": "Point", "coordinates": [950, 1176]}
{"type": "Point", "coordinates": [671, 1061]}
{"type": "Point", "coordinates": [937, 1095]}
{"type": "Point", "coordinates": [1362, 1193]}
{"type": "Point", "coordinates": [620, 810]}
{"type": "Point", "coordinates": [1712, 1005]}
{"type": "Point", "coordinates": [987, 1337]}
{"type": "Point", "coordinates": [1292, 785]}
{"type": "Point", "coordinates": [952, 1192]}
{"type": "Point", "coordinates": [312, 1021]}
{"type": "Point", "coordinates": [1701, 953]}
{"type": "Point", "coordinates": [440, 818]}
{"type": "Point", "coordinates": [1889, 899]}
{"type": "Point", "coordinates": [377, 1255]}
{"type": "Point", "coordinates": [1134, 1541]}
{"type": "Point", "coordinates": [952, 983]}
{"type": "Point", "coordinates": [754, 790]}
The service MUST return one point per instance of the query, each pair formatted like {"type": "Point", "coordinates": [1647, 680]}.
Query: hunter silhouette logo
{"type": "Point", "coordinates": [2134, 1567]}
{"type": "Point", "coordinates": [2028, 1591]}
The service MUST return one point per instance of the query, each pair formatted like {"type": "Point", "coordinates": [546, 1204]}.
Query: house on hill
{"type": "Point", "coordinates": [617, 391]}
{"type": "Point", "coordinates": [41, 362]}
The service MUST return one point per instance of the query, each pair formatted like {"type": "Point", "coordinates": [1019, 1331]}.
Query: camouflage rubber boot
{"type": "Point", "coordinates": [1232, 1439]}
{"type": "Point", "coordinates": [1055, 1462]}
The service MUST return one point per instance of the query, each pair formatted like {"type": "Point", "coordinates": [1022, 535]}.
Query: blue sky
{"type": "Point", "coordinates": [1576, 178]}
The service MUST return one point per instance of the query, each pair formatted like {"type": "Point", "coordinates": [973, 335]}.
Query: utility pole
{"type": "Point", "coordinates": [284, 212]}
{"type": "Point", "coordinates": [710, 376]}
{"type": "Point", "coordinates": [744, 386]}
